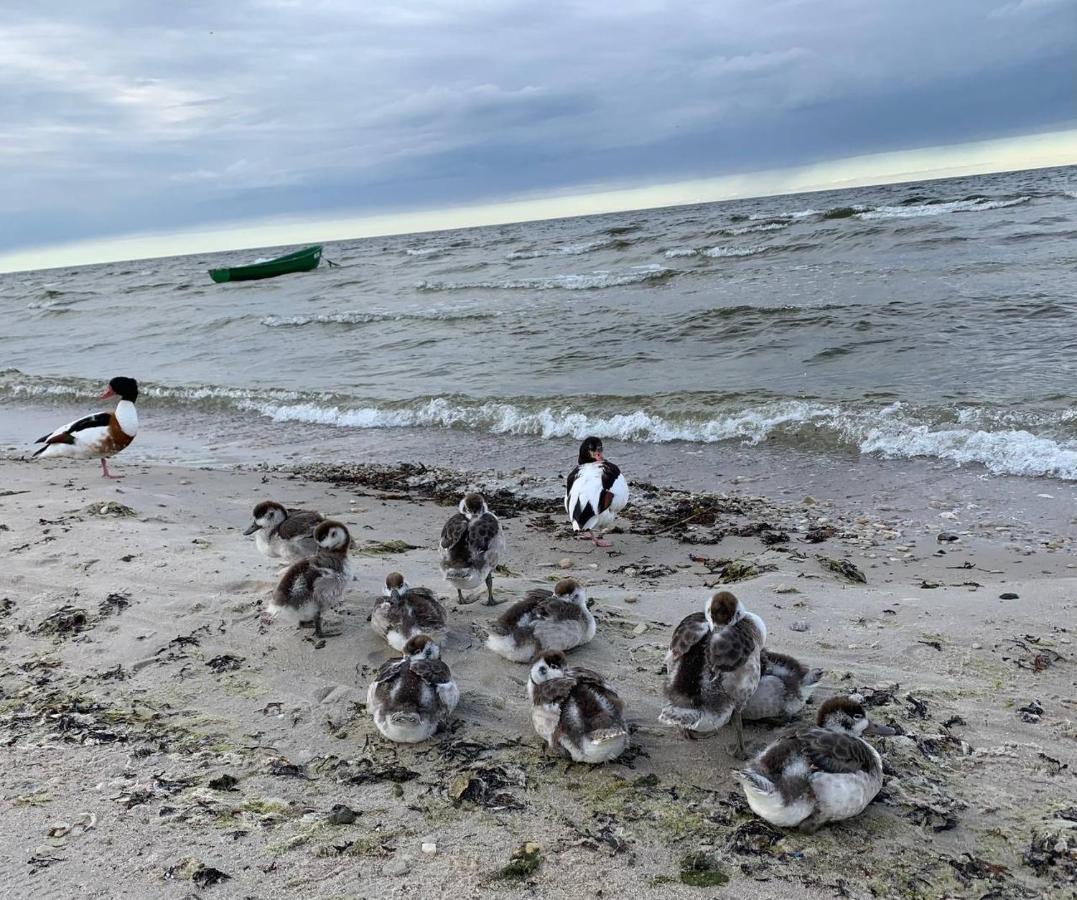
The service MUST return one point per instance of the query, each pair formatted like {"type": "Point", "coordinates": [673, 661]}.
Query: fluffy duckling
{"type": "Point", "coordinates": [817, 775]}
{"type": "Point", "coordinates": [286, 534]}
{"type": "Point", "coordinates": [595, 491]}
{"type": "Point", "coordinates": [471, 546]}
{"type": "Point", "coordinates": [543, 621]}
{"type": "Point", "coordinates": [100, 435]}
{"type": "Point", "coordinates": [785, 686]}
{"type": "Point", "coordinates": [311, 585]}
{"type": "Point", "coordinates": [713, 667]}
{"type": "Point", "coordinates": [406, 612]}
{"type": "Point", "coordinates": [575, 710]}
{"type": "Point", "coordinates": [411, 697]}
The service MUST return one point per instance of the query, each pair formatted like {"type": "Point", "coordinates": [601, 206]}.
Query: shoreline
{"type": "Point", "coordinates": [135, 676]}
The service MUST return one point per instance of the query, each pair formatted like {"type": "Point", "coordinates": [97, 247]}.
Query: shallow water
{"type": "Point", "coordinates": [933, 320]}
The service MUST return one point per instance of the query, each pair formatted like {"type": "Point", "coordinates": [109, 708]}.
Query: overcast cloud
{"type": "Point", "coordinates": [128, 116]}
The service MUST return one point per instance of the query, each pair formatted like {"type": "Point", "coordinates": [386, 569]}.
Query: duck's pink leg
{"type": "Point", "coordinates": [105, 473]}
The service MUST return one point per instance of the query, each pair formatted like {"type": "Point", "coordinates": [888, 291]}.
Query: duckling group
{"type": "Point", "coordinates": [718, 670]}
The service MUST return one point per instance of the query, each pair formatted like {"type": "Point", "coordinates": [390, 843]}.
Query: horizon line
{"type": "Point", "coordinates": [998, 155]}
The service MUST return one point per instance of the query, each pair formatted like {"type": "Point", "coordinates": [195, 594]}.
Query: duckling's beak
{"type": "Point", "coordinates": [880, 730]}
{"type": "Point", "coordinates": [253, 528]}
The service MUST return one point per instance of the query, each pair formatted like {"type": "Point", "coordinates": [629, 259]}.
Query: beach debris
{"type": "Point", "coordinates": [362, 770]}
{"type": "Point", "coordinates": [114, 604]}
{"type": "Point", "coordinates": [523, 863]}
{"type": "Point", "coordinates": [1031, 712]}
{"type": "Point", "coordinates": [341, 814]}
{"type": "Point", "coordinates": [226, 662]}
{"type": "Point", "coordinates": [66, 621]}
{"type": "Point", "coordinates": [753, 837]}
{"type": "Point", "coordinates": [770, 538]}
{"type": "Point", "coordinates": [224, 782]}
{"type": "Point", "coordinates": [486, 787]}
{"type": "Point", "coordinates": [732, 570]}
{"type": "Point", "coordinates": [820, 533]}
{"type": "Point", "coordinates": [801, 625]}
{"type": "Point", "coordinates": [1009, 595]}
{"type": "Point", "coordinates": [969, 868]}
{"type": "Point", "coordinates": [702, 870]}
{"type": "Point", "coordinates": [282, 767]}
{"type": "Point", "coordinates": [430, 848]}
{"type": "Point", "coordinates": [947, 537]}
{"type": "Point", "coordinates": [1034, 655]}
{"type": "Point", "coordinates": [644, 571]}
{"type": "Point", "coordinates": [207, 876]}
{"type": "Point", "coordinates": [1052, 850]}
{"type": "Point", "coordinates": [110, 508]}
{"type": "Point", "coordinates": [842, 567]}
{"type": "Point", "coordinates": [386, 548]}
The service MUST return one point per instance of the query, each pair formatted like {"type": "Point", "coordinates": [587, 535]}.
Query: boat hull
{"type": "Point", "coordinates": [300, 261]}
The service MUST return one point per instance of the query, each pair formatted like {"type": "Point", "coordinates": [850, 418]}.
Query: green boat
{"type": "Point", "coordinates": [300, 261]}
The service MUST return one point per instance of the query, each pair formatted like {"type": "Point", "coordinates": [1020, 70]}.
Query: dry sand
{"type": "Point", "coordinates": [155, 735]}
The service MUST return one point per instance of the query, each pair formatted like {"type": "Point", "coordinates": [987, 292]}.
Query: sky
{"type": "Point", "coordinates": [122, 120]}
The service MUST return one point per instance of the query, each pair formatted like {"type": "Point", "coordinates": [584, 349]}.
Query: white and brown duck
{"type": "Point", "coordinates": [312, 585]}
{"type": "Point", "coordinates": [543, 620]}
{"type": "Point", "coordinates": [284, 534]}
{"type": "Point", "coordinates": [712, 668]}
{"type": "Point", "coordinates": [575, 710]}
{"type": "Point", "coordinates": [817, 775]}
{"type": "Point", "coordinates": [406, 612]}
{"type": "Point", "coordinates": [414, 696]}
{"type": "Point", "coordinates": [100, 435]}
{"type": "Point", "coordinates": [595, 491]}
{"type": "Point", "coordinates": [472, 544]}
{"type": "Point", "coordinates": [785, 687]}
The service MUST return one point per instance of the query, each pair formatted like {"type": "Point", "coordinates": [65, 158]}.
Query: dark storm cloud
{"type": "Point", "coordinates": [128, 116]}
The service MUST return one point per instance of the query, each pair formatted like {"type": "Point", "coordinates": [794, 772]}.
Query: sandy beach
{"type": "Point", "coordinates": [158, 738]}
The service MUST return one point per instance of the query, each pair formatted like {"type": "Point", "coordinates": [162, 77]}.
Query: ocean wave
{"type": "Point", "coordinates": [718, 252]}
{"type": "Point", "coordinates": [360, 317]}
{"type": "Point", "coordinates": [918, 210]}
{"type": "Point", "coordinates": [567, 250]}
{"type": "Point", "coordinates": [1004, 441]}
{"type": "Point", "coordinates": [752, 229]}
{"type": "Point", "coordinates": [590, 281]}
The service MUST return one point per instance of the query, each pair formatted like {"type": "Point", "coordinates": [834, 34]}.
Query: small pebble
{"type": "Point", "coordinates": [977, 646]}
{"type": "Point", "coordinates": [399, 866]}
{"type": "Point", "coordinates": [1008, 596]}
{"type": "Point", "coordinates": [631, 599]}
{"type": "Point", "coordinates": [342, 815]}
{"type": "Point", "coordinates": [430, 848]}
{"type": "Point", "coordinates": [640, 629]}
{"type": "Point", "coordinates": [800, 626]}
{"type": "Point", "coordinates": [564, 563]}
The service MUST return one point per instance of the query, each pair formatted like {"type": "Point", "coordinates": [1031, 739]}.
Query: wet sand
{"type": "Point", "coordinates": [156, 736]}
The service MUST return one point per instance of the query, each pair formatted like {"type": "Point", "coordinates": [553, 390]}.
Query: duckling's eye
{"type": "Point", "coordinates": [858, 715]}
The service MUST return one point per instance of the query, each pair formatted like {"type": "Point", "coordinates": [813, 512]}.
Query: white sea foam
{"type": "Point", "coordinates": [679, 252]}
{"type": "Point", "coordinates": [918, 210]}
{"type": "Point", "coordinates": [732, 251]}
{"type": "Point", "coordinates": [364, 317]}
{"type": "Point", "coordinates": [750, 229]}
{"type": "Point", "coordinates": [590, 281]}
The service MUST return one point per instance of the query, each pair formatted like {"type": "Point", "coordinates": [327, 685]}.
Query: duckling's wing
{"type": "Point", "coordinates": [836, 752]}
{"type": "Point", "coordinates": [300, 522]}
{"type": "Point", "coordinates": [690, 632]}
{"type": "Point", "coordinates": [432, 671]}
{"type": "Point", "coordinates": [390, 671]}
{"type": "Point", "coordinates": [482, 532]}
{"type": "Point", "coordinates": [781, 666]}
{"type": "Point", "coordinates": [522, 613]}
{"type": "Point", "coordinates": [553, 692]}
{"type": "Point", "coordinates": [422, 610]}
{"type": "Point", "coordinates": [730, 647]}
{"type": "Point", "coordinates": [453, 535]}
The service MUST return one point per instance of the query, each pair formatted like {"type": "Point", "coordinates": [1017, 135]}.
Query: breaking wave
{"type": "Point", "coordinates": [590, 281]}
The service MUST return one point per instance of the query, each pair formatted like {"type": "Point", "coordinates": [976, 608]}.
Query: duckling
{"type": "Point", "coordinates": [785, 686]}
{"type": "Point", "coordinates": [575, 710]}
{"type": "Point", "coordinates": [595, 491]}
{"type": "Point", "coordinates": [412, 697]}
{"type": "Point", "coordinates": [471, 546]}
{"type": "Point", "coordinates": [311, 585]}
{"type": "Point", "coordinates": [406, 612]}
{"type": "Point", "coordinates": [286, 534]}
{"type": "Point", "coordinates": [817, 775]}
{"type": "Point", "coordinates": [543, 621]}
{"type": "Point", "coordinates": [713, 667]}
{"type": "Point", "coordinates": [98, 435]}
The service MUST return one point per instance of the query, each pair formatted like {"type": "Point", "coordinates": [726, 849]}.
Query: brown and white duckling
{"type": "Point", "coordinates": [311, 585]}
{"type": "Point", "coordinates": [575, 711]}
{"type": "Point", "coordinates": [713, 667]}
{"type": "Point", "coordinates": [785, 686]}
{"type": "Point", "coordinates": [817, 775]}
{"type": "Point", "coordinates": [411, 697]}
{"type": "Point", "coordinates": [543, 621]}
{"type": "Point", "coordinates": [595, 491]}
{"type": "Point", "coordinates": [286, 534]}
{"type": "Point", "coordinates": [407, 611]}
{"type": "Point", "coordinates": [100, 435]}
{"type": "Point", "coordinates": [472, 543]}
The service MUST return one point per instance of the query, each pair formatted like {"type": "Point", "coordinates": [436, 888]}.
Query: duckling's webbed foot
{"type": "Point", "coordinates": [810, 825]}
{"type": "Point", "coordinates": [490, 601]}
{"type": "Point", "coordinates": [738, 728]}
{"type": "Point", "coordinates": [321, 632]}
{"type": "Point", "coordinates": [688, 733]}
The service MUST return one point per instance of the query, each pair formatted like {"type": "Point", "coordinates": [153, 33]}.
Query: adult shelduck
{"type": "Point", "coordinates": [595, 491]}
{"type": "Point", "coordinates": [100, 435]}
